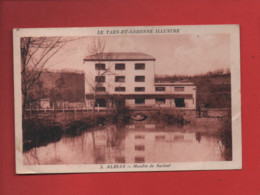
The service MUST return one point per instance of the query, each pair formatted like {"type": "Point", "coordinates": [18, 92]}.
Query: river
{"type": "Point", "coordinates": [138, 142]}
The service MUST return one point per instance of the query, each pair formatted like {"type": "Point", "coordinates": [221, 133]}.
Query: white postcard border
{"type": "Point", "coordinates": [236, 163]}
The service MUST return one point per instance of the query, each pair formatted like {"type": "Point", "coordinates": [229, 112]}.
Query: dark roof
{"type": "Point", "coordinates": [119, 56]}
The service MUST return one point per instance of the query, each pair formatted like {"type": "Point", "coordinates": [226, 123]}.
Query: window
{"type": "Point", "coordinates": [139, 66]}
{"type": "Point", "coordinates": [139, 78]}
{"type": "Point", "coordinates": [120, 79]}
{"type": "Point", "coordinates": [139, 137]}
{"type": "Point", "coordinates": [100, 89]}
{"type": "Point", "coordinates": [159, 88]}
{"type": "Point", "coordinates": [139, 89]}
{"type": "Point", "coordinates": [120, 89]}
{"type": "Point", "coordinates": [139, 147]}
{"type": "Point", "coordinates": [178, 88]}
{"type": "Point", "coordinates": [120, 67]}
{"type": "Point", "coordinates": [139, 160]}
{"type": "Point", "coordinates": [100, 66]}
{"type": "Point", "coordinates": [139, 100]}
{"type": "Point", "coordinates": [100, 79]}
{"type": "Point", "coordinates": [160, 137]}
{"type": "Point", "coordinates": [120, 159]}
{"type": "Point", "coordinates": [178, 137]}
{"type": "Point", "coordinates": [179, 102]}
{"type": "Point", "coordinates": [100, 102]}
{"type": "Point", "coordinates": [160, 100]}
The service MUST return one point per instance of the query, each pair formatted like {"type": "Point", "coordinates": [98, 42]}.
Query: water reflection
{"type": "Point", "coordinates": [133, 143]}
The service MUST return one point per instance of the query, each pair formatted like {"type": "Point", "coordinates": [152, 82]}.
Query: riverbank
{"type": "Point", "coordinates": [40, 131]}
{"type": "Point", "coordinates": [43, 130]}
{"type": "Point", "coordinates": [136, 142]}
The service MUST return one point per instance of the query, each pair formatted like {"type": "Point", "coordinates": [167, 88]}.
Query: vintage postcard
{"type": "Point", "coordinates": [120, 99]}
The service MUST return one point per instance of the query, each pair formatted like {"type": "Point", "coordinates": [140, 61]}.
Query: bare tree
{"type": "Point", "coordinates": [35, 53]}
{"type": "Point", "coordinates": [96, 49]}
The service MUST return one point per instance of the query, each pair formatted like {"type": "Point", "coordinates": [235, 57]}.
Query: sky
{"type": "Point", "coordinates": [187, 54]}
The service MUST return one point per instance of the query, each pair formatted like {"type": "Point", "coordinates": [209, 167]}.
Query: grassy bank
{"type": "Point", "coordinates": [39, 132]}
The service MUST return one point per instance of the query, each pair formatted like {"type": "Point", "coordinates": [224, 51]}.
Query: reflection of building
{"type": "Point", "coordinates": [147, 144]}
{"type": "Point", "coordinates": [134, 143]}
{"type": "Point", "coordinates": [132, 77]}
{"type": "Point", "coordinates": [109, 144]}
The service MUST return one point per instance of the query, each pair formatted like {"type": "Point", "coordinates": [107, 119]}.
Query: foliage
{"type": "Point", "coordinates": [35, 54]}
{"type": "Point", "coordinates": [213, 88]}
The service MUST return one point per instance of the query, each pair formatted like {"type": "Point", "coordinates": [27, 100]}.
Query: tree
{"type": "Point", "coordinates": [97, 52]}
{"type": "Point", "coordinates": [96, 49]}
{"type": "Point", "coordinates": [35, 53]}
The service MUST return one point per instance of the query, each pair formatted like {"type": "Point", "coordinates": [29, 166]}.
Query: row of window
{"type": "Point", "coordinates": [163, 88]}
{"type": "Point", "coordinates": [120, 66]}
{"type": "Point", "coordinates": [121, 79]}
{"type": "Point", "coordinates": [102, 89]}
{"type": "Point", "coordinates": [142, 100]}
{"type": "Point", "coordinates": [179, 102]}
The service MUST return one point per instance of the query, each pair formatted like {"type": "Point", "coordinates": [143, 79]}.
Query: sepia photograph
{"type": "Point", "coordinates": [122, 99]}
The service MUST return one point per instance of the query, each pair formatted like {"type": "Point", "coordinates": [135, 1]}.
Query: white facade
{"type": "Point", "coordinates": [132, 76]}
{"type": "Point", "coordinates": [129, 73]}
